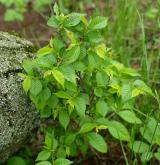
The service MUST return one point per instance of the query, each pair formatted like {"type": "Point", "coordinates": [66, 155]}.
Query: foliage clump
{"type": "Point", "coordinates": [75, 81]}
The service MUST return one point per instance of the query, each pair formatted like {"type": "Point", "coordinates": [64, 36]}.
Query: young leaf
{"type": "Point", "coordinates": [97, 142]}
{"type": "Point", "coordinates": [58, 76]}
{"type": "Point", "coordinates": [130, 117]}
{"type": "Point", "coordinates": [146, 156]}
{"type": "Point", "coordinates": [64, 118]}
{"type": "Point", "coordinates": [27, 84]}
{"type": "Point", "coordinates": [43, 155]}
{"type": "Point", "coordinates": [36, 87]}
{"type": "Point", "coordinates": [62, 161]}
{"type": "Point", "coordinates": [101, 50]}
{"type": "Point", "coordinates": [98, 22]}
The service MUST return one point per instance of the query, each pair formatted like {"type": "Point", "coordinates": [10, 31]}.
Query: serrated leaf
{"type": "Point", "coordinates": [130, 117]}
{"type": "Point", "coordinates": [69, 73]}
{"type": "Point", "coordinates": [140, 147]}
{"type": "Point", "coordinates": [36, 87]}
{"type": "Point", "coordinates": [64, 118]}
{"type": "Point", "coordinates": [142, 86]}
{"type": "Point", "coordinates": [118, 130]}
{"type": "Point", "coordinates": [57, 44]}
{"type": "Point", "coordinates": [53, 22]}
{"type": "Point", "coordinates": [87, 127]}
{"type": "Point", "coordinates": [62, 161]}
{"type": "Point", "coordinates": [101, 50]}
{"type": "Point", "coordinates": [98, 22]}
{"type": "Point", "coordinates": [27, 84]}
{"type": "Point", "coordinates": [58, 76]}
{"type": "Point", "coordinates": [97, 142]}
{"type": "Point", "coordinates": [102, 108]}
{"type": "Point", "coordinates": [71, 55]}
{"type": "Point", "coordinates": [72, 19]}
{"type": "Point", "coordinates": [126, 92]}
{"type": "Point", "coordinates": [43, 155]}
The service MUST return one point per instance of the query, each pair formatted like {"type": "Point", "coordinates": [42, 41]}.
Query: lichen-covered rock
{"type": "Point", "coordinates": [17, 115]}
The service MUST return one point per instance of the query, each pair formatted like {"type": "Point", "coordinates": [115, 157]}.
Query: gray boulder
{"type": "Point", "coordinates": [18, 116]}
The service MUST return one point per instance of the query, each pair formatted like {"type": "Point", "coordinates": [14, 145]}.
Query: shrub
{"type": "Point", "coordinates": [75, 82]}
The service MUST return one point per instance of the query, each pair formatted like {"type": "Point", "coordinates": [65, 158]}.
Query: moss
{"type": "Point", "coordinates": [17, 115]}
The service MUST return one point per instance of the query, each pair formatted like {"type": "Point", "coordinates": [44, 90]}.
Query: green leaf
{"type": "Point", "coordinates": [56, 9]}
{"type": "Point", "coordinates": [64, 118]}
{"type": "Point", "coordinates": [70, 139]}
{"type": "Point", "coordinates": [44, 51]}
{"type": "Point", "coordinates": [118, 130]}
{"type": "Point", "coordinates": [69, 73]}
{"type": "Point", "coordinates": [142, 86]}
{"type": "Point", "coordinates": [101, 79]}
{"type": "Point", "coordinates": [126, 92]}
{"type": "Point", "coordinates": [43, 155]}
{"type": "Point", "coordinates": [16, 160]}
{"type": "Point", "coordinates": [130, 117]}
{"type": "Point", "coordinates": [27, 84]}
{"type": "Point", "coordinates": [71, 55]}
{"type": "Point", "coordinates": [146, 156]}
{"type": "Point", "coordinates": [101, 50]}
{"type": "Point", "coordinates": [58, 76]}
{"type": "Point", "coordinates": [53, 22]}
{"type": "Point", "coordinates": [98, 91]}
{"type": "Point", "coordinates": [62, 161]}
{"type": "Point", "coordinates": [62, 94]}
{"type": "Point", "coordinates": [61, 153]}
{"type": "Point", "coordinates": [151, 131]}
{"type": "Point", "coordinates": [98, 22]}
{"type": "Point", "coordinates": [140, 147]}
{"type": "Point", "coordinates": [157, 155]}
{"type": "Point", "coordinates": [97, 142]}
{"type": "Point", "coordinates": [102, 108]}
{"type": "Point", "coordinates": [87, 127]}
{"type": "Point", "coordinates": [72, 19]}
{"type": "Point", "coordinates": [94, 37]}
{"type": "Point", "coordinates": [36, 87]}
{"type": "Point", "coordinates": [80, 105]}
{"type": "Point", "coordinates": [43, 163]}
{"type": "Point", "coordinates": [57, 44]}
